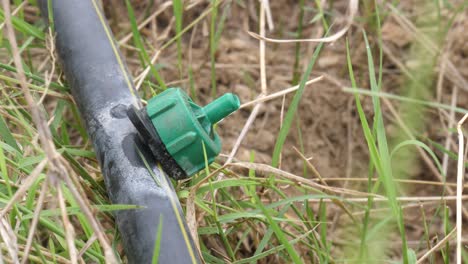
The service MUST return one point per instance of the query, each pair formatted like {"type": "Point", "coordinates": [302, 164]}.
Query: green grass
{"type": "Point", "coordinates": [216, 28]}
{"type": "Point", "coordinates": [259, 213]}
{"type": "Point", "coordinates": [297, 50]}
{"type": "Point", "coordinates": [213, 46]}
{"type": "Point", "coordinates": [289, 117]}
{"type": "Point", "coordinates": [138, 40]}
{"type": "Point", "coordinates": [157, 244]}
{"type": "Point", "coordinates": [380, 157]}
{"type": "Point", "coordinates": [178, 8]}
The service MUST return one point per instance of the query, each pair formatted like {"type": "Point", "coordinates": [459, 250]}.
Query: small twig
{"type": "Point", "coordinates": [300, 180]}
{"type": "Point", "coordinates": [353, 8]}
{"type": "Point", "coordinates": [338, 202]}
{"type": "Point", "coordinates": [411, 204]}
{"type": "Point", "coordinates": [142, 76]}
{"type": "Point", "coordinates": [436, 247]}
{"type": "Point", "coordinates": [48, 77]}
{"type": "Point", "coordinates": [263, 80]}
{"type": "Point", "coordinates": [312, 167]}
{"type": "Point", "coordinates": [363, 179]}
{"type": "Point", "coordinates": [244, 131]}
{"type": "Point", "coordinates": [400, 199]}
{"type": "Point", "coordinates": [9, 238]}
{"type": "Point", "coordinates": [67, 226]}
{"type": "Point", "coordinates": [263, 85]}
{"type": "Point", "coordinates": [24, 187]}
{"type": "Point", "coordinates": [17, 9]}
{"type": "Point", "coordinates": [269, 17]}
{"type": "Point", "coordinates": [283, 102]}
{"type": "Point", "coordinates": [162, 8]}
{"type": "Point", "coordinates": [190, 207]}
{"type": "Point", "coordinates": [451, 121]}
{"type": "Point", "coordinates": [88, 244]}
{"type": "Point", "coordinates": [460, 175]}
{"type": "Point", "coordinates": [35, 220]}
{"type": "Point", "coordinates": [95, 225]}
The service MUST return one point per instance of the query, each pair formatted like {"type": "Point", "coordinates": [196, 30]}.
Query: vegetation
{"type": "Point", "coordinates": [388, 86]}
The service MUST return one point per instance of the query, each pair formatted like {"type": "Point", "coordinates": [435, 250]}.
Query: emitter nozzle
{"type": "Point", "coordinates": [178, 131]}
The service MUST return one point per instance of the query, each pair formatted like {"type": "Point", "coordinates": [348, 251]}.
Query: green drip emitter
{"type": "Point", "coordinates": [179, 132]}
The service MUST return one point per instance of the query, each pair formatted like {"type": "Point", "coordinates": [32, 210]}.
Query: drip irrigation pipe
{"type": "Point", "coordinates": [103, 90]}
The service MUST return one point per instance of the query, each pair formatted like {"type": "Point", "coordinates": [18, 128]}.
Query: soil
{"type": "Point", "coordinates": [327, 128]}
{"type": "Point", "coordinates": [327, 122]}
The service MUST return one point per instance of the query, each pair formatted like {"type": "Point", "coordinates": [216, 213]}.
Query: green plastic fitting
{"type": "Point", "coordinates": [183, 130]}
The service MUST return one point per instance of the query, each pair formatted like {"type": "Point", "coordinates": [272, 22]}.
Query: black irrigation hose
{"type": "Point", "coordinates": [103, 90]}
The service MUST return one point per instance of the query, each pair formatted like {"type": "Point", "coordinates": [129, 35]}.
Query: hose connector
{"type": "Point", "coordinates": [180, 132]}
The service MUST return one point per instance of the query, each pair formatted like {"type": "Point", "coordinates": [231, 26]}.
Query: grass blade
{"type": "Point", "coordinates": [287, 122]}
{"type": "Point", "coordinates": [157, 243]}
{"type": "Point", "coordinates": [178, 8]}
{"type": "Point", "coordinates": [144, 57]}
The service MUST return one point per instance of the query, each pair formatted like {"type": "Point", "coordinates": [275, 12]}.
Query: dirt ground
{"type": "Point", "coordinates": [327, 128]}
{"type": "Point", "coordinates": [327, 121]}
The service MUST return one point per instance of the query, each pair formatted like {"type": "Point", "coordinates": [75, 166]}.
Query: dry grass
{"type": "Point", "coordinates": [329, 193]}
